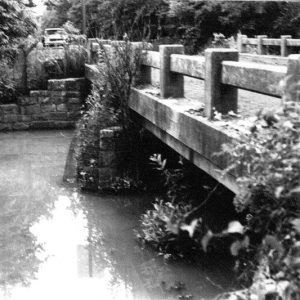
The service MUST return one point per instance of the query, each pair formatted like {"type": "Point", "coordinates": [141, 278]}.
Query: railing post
{"type": "Point", "coordinates": [292, 82]}
{"type": "Point", "coordinates": [171, 84]}
{"type": "Point", "coordinates": [240, 45]}
{"type": "Point", "coordinates": [89, 49]}
{"type": "Point", "coordinates": [260, 46]}
{"type": "Point", "coordinates": [219, 97]}
{"type": "Point", "coordinates": [144, 73]}
{"type": "Point", "coordinates": [283, 45]}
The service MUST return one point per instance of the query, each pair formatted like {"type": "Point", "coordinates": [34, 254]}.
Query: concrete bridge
{"type": "Point", "coordinates": [186, 125]}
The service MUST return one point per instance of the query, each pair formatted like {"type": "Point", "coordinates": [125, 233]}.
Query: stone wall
{"type": "Point", "coordinates": [57, 107]}
{"type": "Point", "coordinates": [98, 165]}
{"type": "Point", "coordinates": [110, 151]}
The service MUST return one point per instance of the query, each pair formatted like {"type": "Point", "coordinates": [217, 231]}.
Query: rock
{"type": "Point", "coordinates": [24, 100]}
{"type": "Point", "coordinates": [20, 126]}
{"type": "Point", "coordinates": [5, 127]}
{"type": "Point", "coordinates": [74, 100]}
{"type": "Point", "coordinates": [32, 109]}
{"type": "Point", "coordinates": [68, 84]}
{"type": "Point", "coordinates": [61, 107]}
{"type": "Point", "coordinates": [40, 117]}
{"type": "Point", "coordinates": [48, 107]}
{"type": "Point", "coordinates": [24, 118]}
{"type": "Point", "coordinates": [61, 116]}
{"type": "Point", "coordinates": [9, 108]}
{"type": "Point", "coordinates": [10, 118]}
{"type": "Point", "coordinates": [74, 107]}
{"type": "Point", "coordinates": [44, 100]}
{"type": "Point", "coordinates": [73, 94]}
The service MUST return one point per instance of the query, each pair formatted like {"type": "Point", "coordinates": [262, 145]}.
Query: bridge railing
{"type": "Point", "coordinates": [222, 73]}
{"type": "Point", "coordinates": [262, 41]}
{"type": "Point", "coordinates": [221, 70]}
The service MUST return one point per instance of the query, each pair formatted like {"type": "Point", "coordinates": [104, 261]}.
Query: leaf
{"type": "Point", "coordinates": [190, 228]}
{"type": "Point", "coordinates": [296, 224]}
{"type": "Point", "coordinates": [278, 191]}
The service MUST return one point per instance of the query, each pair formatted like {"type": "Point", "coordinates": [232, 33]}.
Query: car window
{"type": "Point", "coordinates": [50, 32]}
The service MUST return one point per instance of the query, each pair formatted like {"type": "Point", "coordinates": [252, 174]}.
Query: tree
{"type": "Point", "coordinates": [57, 13]}
{"type": "Point", "coordinates": [15, 23]}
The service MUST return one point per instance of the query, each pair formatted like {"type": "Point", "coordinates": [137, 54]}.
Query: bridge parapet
{"type": "Point", "coordinates": [221, 69]}
{"type": "Point", "coordinates": [166, 113]}
{"type": "Point", "coordinates": [262, 41]}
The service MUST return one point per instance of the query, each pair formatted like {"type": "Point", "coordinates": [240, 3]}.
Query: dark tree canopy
{"type": "Point", "coordinates": [186, 21]}
{"type": "Point", "coordinates": [15, 22]}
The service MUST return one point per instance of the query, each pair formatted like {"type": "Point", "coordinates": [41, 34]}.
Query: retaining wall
{"type": "Point", "coordinates": [57, 107]}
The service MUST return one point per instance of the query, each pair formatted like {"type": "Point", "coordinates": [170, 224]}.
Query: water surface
{"type": "Point", "coordinates": [56, 243]}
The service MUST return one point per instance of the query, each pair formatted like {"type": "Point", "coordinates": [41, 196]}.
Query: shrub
{"type": "Point", "coordinates": [108, 106]}
{"type": "Point", "coordinates": [7, 84]}
{"type": "Point", "coordinates": [75, 58]}
{"type": "Point", "coordinates": [267, 162]}
{"type": "Point", "coordinates": [164, 228]}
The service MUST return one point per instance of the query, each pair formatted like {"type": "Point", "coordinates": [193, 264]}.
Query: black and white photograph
{"type": "Point", "coordinates": [149, 150]}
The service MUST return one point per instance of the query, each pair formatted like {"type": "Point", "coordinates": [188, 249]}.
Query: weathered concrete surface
{"type": "Point", "coordinates": [194, 137]}
{"type": "Point", "coordinates": [151, 59]}
{"type": "Point", "coordinates": [254, 77]}
{"type": "Point", "coordinates": [264, 59]}
{"type": "Point", "coordinates": [293, 42]}
{"type": "Point", "coordinates": [270, 42]}
{"type": "Point", "coordinates": [284, 51]}
{"type": "Point", "coordinates": [171, 84]}
{"type": "Point", "coordinates": [189, 65]}
{"type": "Point", "coordinates": [218, 97]}
{"type": "Point", "coordinates": [292, 80]}
{"type": "Point", "coordinates": [260, 45]}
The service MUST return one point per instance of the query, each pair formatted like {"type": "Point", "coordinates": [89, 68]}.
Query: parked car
{"type": "Point", "coordinates": [55, 37]}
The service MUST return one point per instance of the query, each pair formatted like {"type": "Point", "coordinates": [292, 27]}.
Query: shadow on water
{"type": "Point", "coordinates": [57, 243]}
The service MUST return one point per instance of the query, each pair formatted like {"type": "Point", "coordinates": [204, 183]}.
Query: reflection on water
{"type": "Point", "coordinates": [59, 244]}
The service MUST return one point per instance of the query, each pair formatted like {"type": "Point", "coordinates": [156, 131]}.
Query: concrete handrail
{"type": "Point", "coordinates": [189, 65]}
{"type": "Point", "coordinates": [253, 76]}
{"type": "Point", "coordinates": [283, 42]}
{"type": "Point", "coordinates": [221, 70]}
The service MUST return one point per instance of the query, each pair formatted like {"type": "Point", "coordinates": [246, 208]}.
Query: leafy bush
{"type": "Point", "coordinates": [267, 161]}
{"type": "Point", "coordinates": [7, 84]}
{"type": "Point", "coordinates": [165, 229]}
{"type": "Point", "coordinates": [97, 115]}
{"type": "Point", "coordinates": [219, 41]}
{"type": "Point", "coordinates": [54, 68]}
{"type": "Point", "coordinates": [107, 106]}
{"type": "Point", "coordinates": [75, 59]}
